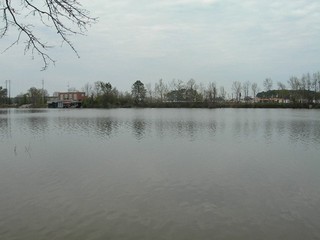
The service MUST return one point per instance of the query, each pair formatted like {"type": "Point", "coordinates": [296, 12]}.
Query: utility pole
{"type": "Point", "coordinates": [9, 91]}
{"type": "Point", "coordinates": [8, 82]}
{"type": "Point", "coordinates": [6, 91]}
{"type": "Point", "coordinates": [42, 91]}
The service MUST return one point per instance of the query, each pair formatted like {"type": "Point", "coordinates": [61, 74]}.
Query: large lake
{"type": "Point", "coordinates": [159, 174]}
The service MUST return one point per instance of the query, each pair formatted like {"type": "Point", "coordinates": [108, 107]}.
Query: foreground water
{"type": "Point", "coordinates": [159, 174]}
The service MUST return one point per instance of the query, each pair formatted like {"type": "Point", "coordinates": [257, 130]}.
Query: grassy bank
{"type": "Point", "coordinates": [208, 105]}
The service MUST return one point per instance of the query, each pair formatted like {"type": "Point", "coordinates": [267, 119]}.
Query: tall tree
{"type": "Point", "coordinates": [36, 96]}
{"type": "Point", "coordinates": [315, 83]}
{"type": "Point", "coordinates": [87, 89]}
{"type": "Point", "coordinates": [178, 90]}
{"type": "Point", "coordinates": [308, 82]}
{"type": "Point", "coordinates": [161, 89]}
{"type": "Point", "coordinates": [254, 88]}
{"type": "Point", "coordinates": [282, 89]}
{"type": "Point", "coordinates": [3, 95]}
{"type": "Point", "coordinates": [294, 83]}
{"type": "Point", "coordinates": [149, 91]}
{"type": "Point", "coordinates": [222, 93]}
{"type": "Point", "coordinates": [212, 92]}
{"type": "Point", "coordinates": [281, 86]}
{"type": "Point", "coordinates": [138, 92]}
{"type": "Point", "coordinates": [106, 88]}
{"type": "Point", "coordinates": [303, 82]}
{"type": "Point", "coordinates": [28, 17]}
{"type": "Point", "coordinates": [191, 90]}
{"type": "Point", "coordinates": [236, 88]}
{"type": "Point", "coordinates": [267, 83]}
{"type": "Point", "coordinates": [246, 87]}
{"type": "Point", "coordinates": [177, 85]}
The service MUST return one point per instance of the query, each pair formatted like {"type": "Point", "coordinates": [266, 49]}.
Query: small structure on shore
{"type": "Point", "coordinates": [67, 100]}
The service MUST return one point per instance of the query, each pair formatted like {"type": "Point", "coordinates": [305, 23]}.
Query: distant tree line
{"type": "Point", "coordinates": [102, 94]}
{"type": "Point", "coordinates": [191, 94]}
{"type": "Point", "coordinates": [304, 89]}
{"type": "Point", "coordinates": [178, 93]}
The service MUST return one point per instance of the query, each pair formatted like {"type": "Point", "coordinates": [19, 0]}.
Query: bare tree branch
{"type": "Point", "coordinates": [66, 17]}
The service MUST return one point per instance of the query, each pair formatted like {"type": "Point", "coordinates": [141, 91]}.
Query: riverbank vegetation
{"type": "Point", "coordinates": [303, 92]}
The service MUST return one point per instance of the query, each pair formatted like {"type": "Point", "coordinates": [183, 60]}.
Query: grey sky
{"type": "Point", "coordinates": [207, 40]}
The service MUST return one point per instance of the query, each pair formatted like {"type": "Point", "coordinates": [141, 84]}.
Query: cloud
{"type": "Point", "coordinates": [187, 2]}
{"type": "Point", "coordinates": [189, 38]}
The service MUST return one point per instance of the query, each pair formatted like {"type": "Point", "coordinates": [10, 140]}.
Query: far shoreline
{"type": "Point", "coordinates": [200, 105]}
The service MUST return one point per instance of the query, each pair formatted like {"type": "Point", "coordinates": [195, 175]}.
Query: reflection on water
{"type": "Point", "coordinates": [139, 128]}
{"type": "Point", "coordinates": [32, 123]}
{"type": "Point", "coordinates": [159, 174]}
{"type": "Point", "coordinates": [106, 126]}
{"type": "Point", "coordinates": [5, 128]}
{"type": "Point", "coordinates": [36, 125]}
{"type": "Point", "coordinates": [268, 130]}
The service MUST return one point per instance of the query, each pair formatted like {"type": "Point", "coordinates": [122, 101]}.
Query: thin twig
{"type": "Point", "coordinates": [59, 14]}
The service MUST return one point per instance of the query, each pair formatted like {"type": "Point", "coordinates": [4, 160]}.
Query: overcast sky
{"type": "Point", "coordinates": [208, 40]}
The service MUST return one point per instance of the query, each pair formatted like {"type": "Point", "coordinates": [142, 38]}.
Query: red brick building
{"type": "Point", "coordinates": [71, 96]}
{"type": "Point", "coordinates": [67, 100]}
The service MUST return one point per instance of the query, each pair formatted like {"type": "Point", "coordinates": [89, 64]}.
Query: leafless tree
{"type": "Point", "coordinates": [87, 89]}
{"type": "Point", "coordinates": [316, 83]}
{"type": "Point", "coordinates": [236, 87]}
{"type": "Point", "coordinates": [161, 89]}
{"type": "Point", "coordinates": [97, 91]}
{"type": "Point", "coordinates": [212, 92]}
{"type": "Point", "coordinates": [294, 83]}
{"type": "Point", "coordinates": [176, 84]}
{"type": "Point", "coordinates": [202, 90]}
{"type": "Point", "coordinates": [191, 90]}
{"type": "Point", "coordinates": [303, 82]}
{"type": "Point", "coordinates": [149, 91]}
{"type": "Point", "coordinates": [308, 81]}
{"type": "Point", "coordinates": [246, 86]}
{"type": "Point", "coordinates": [267, 83]}
{"type": "Point", "coordinates": [65, 17]}
{"type": "Point", "coordinates": [222, 93]}
{"type": "Point", "coordinates": [254, 88]}
{"type": "Point", "coordinates": [281, 86]}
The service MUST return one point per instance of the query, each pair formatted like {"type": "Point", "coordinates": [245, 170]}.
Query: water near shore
{"type": "Point", "coordinates": [159, 174]}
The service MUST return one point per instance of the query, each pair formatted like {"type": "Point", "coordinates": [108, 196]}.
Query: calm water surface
{"type": "Point", "coordinates": [159, 174]}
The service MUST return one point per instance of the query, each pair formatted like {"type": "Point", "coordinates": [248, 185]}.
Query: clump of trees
{"type": "Point", "coordinates": [161, 95]}
{"type": "Point", "coordinates": [35, 97]}
{"type": "Point", "coordinates": [104, 95]}
{"type": "Point", "coordinates": [304, 90]}
{"type": "Point", "coordinates": [3, 95]}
